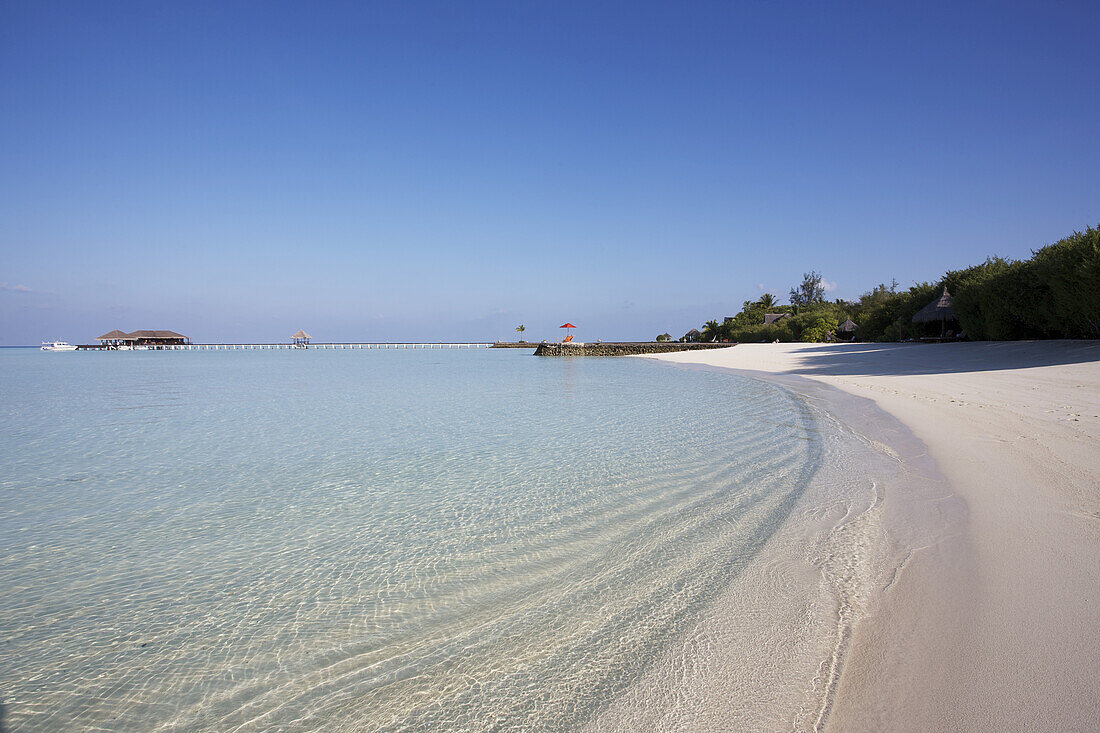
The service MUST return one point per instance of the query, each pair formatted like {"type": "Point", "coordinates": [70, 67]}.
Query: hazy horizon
{"type": "Point", "coordinates": [440, 172]}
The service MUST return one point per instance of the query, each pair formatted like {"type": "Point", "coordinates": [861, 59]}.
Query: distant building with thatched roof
{"type": "Point", "coordinates": [942, 310]}
{"type": "Point", "coordinates": [150, 339]}
{"type": "Point", "coordinates": [693, 335]}
{"type": "Point", "coordinates": [770, 318]}
{"type": "Point", "coordinates": [301, 338]}
{"type": "Point", "coordinates": [113, 338]}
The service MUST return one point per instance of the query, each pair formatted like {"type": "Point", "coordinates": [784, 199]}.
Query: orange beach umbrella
{"type": "Point", "coordinates": [570, 326]}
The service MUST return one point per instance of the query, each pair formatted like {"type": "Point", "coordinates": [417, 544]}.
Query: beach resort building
{"type": "Point", "coordinates": [145, 339]}
{"type": "Point", "coordinates": [770, 318]}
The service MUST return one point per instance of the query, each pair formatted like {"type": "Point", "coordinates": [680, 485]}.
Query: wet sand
{"type": "Point", "coordinates": [995, 626]}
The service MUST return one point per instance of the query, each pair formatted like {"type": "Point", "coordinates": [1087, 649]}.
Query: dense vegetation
{"type": "Point", "coordinates": [1054, 294]}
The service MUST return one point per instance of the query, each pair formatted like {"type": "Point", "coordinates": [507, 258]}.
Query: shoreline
{"type": "Point", "coordinates": [993, 626]}
{"type": "Point", "coordinates": [791, 613]}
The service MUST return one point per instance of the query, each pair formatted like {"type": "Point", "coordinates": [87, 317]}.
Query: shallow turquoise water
{"type": "Point", "coordinates": [378, 540]}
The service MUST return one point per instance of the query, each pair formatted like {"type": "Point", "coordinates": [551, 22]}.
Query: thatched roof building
{"type": "Point", "coordinates": [156, 336]}
{"type": "Point", "coordinates": [938, 310]}
{"type": "Point", "coordinates": [770, 318]}
{"type": "Point", "coordinates": [848, 326]}
{"type": "Point", "coordinates": [148, 338]}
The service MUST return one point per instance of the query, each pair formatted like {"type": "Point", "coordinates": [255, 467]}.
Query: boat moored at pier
{"type": "Point", "coordinates": [57, 346]}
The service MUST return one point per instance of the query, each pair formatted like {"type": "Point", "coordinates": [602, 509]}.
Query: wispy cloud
{"type": "Point", "coordinates": [761, 286]}
{"type": "Point", "coordinates": [828, 286]}
{"type": "Point", "coordinates": [24, 289]}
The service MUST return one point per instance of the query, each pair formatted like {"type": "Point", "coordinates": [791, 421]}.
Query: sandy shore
{"type": "Point", "coordinates": [997, 627]}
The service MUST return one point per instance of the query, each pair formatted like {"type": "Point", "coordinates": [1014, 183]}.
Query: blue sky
{"type": "Point", "coordinates": [379, 171]}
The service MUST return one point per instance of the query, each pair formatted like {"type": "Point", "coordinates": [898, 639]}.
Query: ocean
{"type": "Point", "coordinates": [375, 540]}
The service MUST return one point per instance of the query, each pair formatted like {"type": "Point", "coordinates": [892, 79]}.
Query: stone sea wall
{"type": "Point", "coordinates": [621, 348]}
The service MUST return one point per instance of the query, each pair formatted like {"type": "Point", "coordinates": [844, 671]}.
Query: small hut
{"type": "Point", "coordinates": [692, 335]}
{"type": "Point", "coordinates": [770, 318]}
{"type": "Point", "coordinates": [300, 339]}
{"type": "Point", "coordinates": [848, 328]}
{"type": "Point", "coordinates": [938, 310]}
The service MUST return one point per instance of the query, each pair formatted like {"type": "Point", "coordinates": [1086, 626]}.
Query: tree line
{"type": "Point", "coordinates": [1053, 294]}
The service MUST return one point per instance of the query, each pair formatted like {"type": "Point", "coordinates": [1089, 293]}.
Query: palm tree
{"type": "Point", "coordinates": [520, 329]}
{"type": "Point", "coordinates": [767, 300]}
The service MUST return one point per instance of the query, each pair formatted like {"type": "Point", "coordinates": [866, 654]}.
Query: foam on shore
{"type": "Point", "coordinates": [768, 653]}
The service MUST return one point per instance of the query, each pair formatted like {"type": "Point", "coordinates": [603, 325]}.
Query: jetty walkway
{"type": "Point", "coordinates": [289, 347]}
{"type": "Point", "coordinates": [606, 348]}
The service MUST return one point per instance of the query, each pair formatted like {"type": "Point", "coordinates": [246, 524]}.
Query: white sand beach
{"type": "Point", "coordinates": [999, 628]}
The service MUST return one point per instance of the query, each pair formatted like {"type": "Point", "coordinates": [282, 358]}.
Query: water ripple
{"type": "Point", "coordinates": [369, 541]}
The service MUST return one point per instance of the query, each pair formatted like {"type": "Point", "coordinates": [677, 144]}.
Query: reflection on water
{"type": "Point", "coordinates": [383, 540]}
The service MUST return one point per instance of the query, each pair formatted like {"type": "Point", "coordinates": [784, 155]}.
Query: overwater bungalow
{"type": "Point", "coordinates": [142, 339]}
{"type": "Point", "coordinates": [158, 338]}
{"type": "Point", "coordinates": [113, 339]}
{"type": "Point", "coordinates": [300, 339]}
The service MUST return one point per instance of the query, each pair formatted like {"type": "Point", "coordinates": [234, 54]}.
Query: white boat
{"type": "Point", "coordinates": [57, 346]}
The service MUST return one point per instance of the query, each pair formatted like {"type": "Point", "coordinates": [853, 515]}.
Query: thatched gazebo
{"type": "Point", "coordinates": [938, 310]}
{"type": "Point", "coordinates": [301, 338]}
{"type": "Point", "coordinates": [112, 339]}
{"type": "Point", "coordinates": [848, 327]}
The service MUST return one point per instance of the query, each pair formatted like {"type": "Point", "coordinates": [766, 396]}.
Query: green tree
{"type": "Point", "coordinates": [818, 328]}
{"type": "Point", "coordinates": [767, 301]}
{"type": "Point", "coordinates": [664, 337]}
{"type": "Point", "coordinates": [520, 329]}
{"type": "Point", "coordinates": [810, 292]}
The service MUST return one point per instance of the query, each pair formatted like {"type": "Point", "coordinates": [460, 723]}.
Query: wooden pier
{"type": "Point", "coordinates": [375, 345]}
{"type": "Point", "coordinates": [292, 347]}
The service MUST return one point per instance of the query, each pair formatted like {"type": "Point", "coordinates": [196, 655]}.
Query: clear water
{"type": "Point", "coordinates": [381, 540]}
